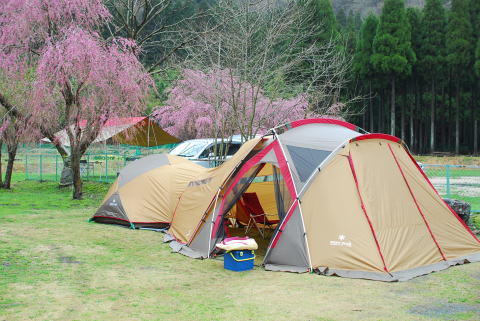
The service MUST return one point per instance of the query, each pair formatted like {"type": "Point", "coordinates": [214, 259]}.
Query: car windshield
{"type": "Point", "coordinates": [179, 148]}
{"type": "Point", "coordinates": [189, 149]}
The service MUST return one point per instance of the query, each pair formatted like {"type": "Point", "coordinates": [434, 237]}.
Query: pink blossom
{"type": "Point", "coordinates": [205, 104]}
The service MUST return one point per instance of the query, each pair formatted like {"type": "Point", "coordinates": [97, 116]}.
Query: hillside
{"type": "Point", "coordinates": [365, 6]}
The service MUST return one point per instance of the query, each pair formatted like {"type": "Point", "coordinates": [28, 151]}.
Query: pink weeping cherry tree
{"type": "Point", "coordinates": [86, 81]}
{"type": "Point", "coordinates": [219, 104]}
{"type": "Point", "coordinates": [76, 80]}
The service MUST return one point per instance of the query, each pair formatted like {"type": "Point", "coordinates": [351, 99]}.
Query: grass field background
{"type": "Point", "coordinates": [56, 266]}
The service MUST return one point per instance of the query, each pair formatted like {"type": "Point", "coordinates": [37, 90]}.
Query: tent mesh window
{"type": "Point", "coordinates": [282, 195]}
{"type": "Point", "coordinates": [306, 160]}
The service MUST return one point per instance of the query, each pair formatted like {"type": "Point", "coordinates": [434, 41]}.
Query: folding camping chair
{"type": "Point", "coordinates": [256, 213]}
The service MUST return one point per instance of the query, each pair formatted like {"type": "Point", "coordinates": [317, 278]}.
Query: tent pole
{"type": "Point", "coordinates": [211, 223]}
{"type": "Point", "coordinates": [296, 195]}
{"type": "Point", "coordinates": [274, 235]}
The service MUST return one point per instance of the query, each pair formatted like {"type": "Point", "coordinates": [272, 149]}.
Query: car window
{"type": "Point", "coordinates": [233, 148]}
{"type": "Point", "coordinates": [193, 149]}
{"type": "Point", "coordinates": [206, 152]}
{"type": "Point", "coordinates": [180, 148]}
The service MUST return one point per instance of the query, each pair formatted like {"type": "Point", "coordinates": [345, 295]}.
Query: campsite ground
{"type": "Point", "coordinates": [56, 266]}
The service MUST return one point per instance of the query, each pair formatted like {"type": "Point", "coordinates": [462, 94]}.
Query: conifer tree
{"type": "Point", "coordinates": [477, 59]}
{"type": "Point", "coordinates": [342, 18]}
{"type": "Point", "coordinates": [393, 55]}
{"type": "Point", "coordinates": [475, 16]}
{"type": "Point", "coordinates": [324, 16]}
{"type": "Point", "coordinates": [459, 53]}
{"type": "Point", "coordinates": [431, 54]}
{"type": "Point", "coordinates": [414, 16]}
{"type": "Point", "coordinates": [362, 63]}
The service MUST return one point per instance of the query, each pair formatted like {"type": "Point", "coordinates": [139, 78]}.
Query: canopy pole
{"type": "Point", "coordinates": [296, 195]}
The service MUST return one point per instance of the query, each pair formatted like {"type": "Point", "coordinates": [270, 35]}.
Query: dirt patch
{"type": "Point", "coordinates": [444, 310]}
{"type": "Point", "coordinates": [68, 259]}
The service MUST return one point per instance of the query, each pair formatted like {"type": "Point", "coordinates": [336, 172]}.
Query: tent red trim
{"type": "Point", "coordinates": [284, 222]}
{"type": "Point", "coordinates": [245, 168]}
{"type": "Point", "coordinates": [287, 176]}
{"type": "Point", "coordinates": [352, 167]}
{"type": "Point", "coordinates": [416, 203]}
{"type": "Point", "coordinates": [121, 219]}
{"type": "Point", "coordinates": [282, 162]}
{"type": "Point", "coordinates": [446, 204]}
{"type": "Point", "coordinates": [333, 121]}
{"type": "Point", "coordinates": [377, 136]}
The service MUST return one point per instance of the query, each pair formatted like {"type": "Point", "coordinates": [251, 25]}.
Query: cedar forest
{"type": "Point", "coordinates": [414, 72]}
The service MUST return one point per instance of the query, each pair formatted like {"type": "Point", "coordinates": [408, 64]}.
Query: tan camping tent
{"type": "Point", "coordinates": [349, 204]}
{"type": "Point", "coordinates": [146, 191]}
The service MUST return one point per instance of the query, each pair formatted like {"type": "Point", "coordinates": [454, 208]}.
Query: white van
{"type": "Point", "coordinates": [201, 151]}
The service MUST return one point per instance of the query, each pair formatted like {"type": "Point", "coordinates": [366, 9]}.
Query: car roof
{"type": "Point", "coordinates": [212, 140]}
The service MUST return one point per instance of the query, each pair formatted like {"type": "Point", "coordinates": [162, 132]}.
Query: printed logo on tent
{"type": "Point", "coordinates": [200, 182]}
{"type": "Point", "coordinates": [113, 203]}
{"type": "Point", "coordinates": [341, 241]}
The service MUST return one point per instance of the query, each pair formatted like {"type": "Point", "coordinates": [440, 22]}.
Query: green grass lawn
{"type": "Point", "coordinates": [56, 266]}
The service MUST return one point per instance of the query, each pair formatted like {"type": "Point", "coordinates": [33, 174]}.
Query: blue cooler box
{"type": "Point", "coordinates": [239, 260]}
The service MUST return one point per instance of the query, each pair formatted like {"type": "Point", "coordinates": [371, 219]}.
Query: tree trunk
{"type": "Point", "coordinates": [392, 109]}
{"type": "Point", "coordinates": [1, 173]}
{"type": "Point", "coordinates": [77, 180]}
{"type": "Point", "coordinates": [417, 108]}
{"type": "Point", "coordinates": [412, 106]}
{"type": "Point", "coordinates": [402, 118]}
{"type": "Point", "coordinates": [380, 112]}
{"type": "Point", "coordinates": [475, 136]}
{"type": "Point", "coordinates": [475, 121]}
{"type": "Point", "coordinates": [370, 102]}
{"type": "Point", "coordinates": [12, 152]}
{"type": "Point", "coordinates": [432, 118]}
{"type": "Point", "coordinates": [443, 125]}
{"type": "Point", "coordinates": [457, 118]}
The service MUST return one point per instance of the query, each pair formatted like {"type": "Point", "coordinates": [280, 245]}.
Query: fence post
{"type": "Point", "coordinates": [447, 174]}
{"type": "Point", "coordinates": [41, 167]}
{"type": "Point", "coordinates": [88, 166]}
{"type": "Point", "coordinates": [26, 165]}
{"type": "Point", "coordinates": [56, 167]}
{"type": "Point", "coordinates": [106, 167]}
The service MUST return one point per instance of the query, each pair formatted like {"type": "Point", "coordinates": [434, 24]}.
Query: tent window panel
{"type": "Point", "coordinates": [282, 195]}
{"type": "Point", "coordinates": [306, 160]}
{"type": "Point", "coordinates": [241, 187]}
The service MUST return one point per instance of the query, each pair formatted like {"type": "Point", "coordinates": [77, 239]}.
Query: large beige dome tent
{"type": "Point", "coordinates": [146, 191]}
{"type": "Point", "coordinates": [348, 204]}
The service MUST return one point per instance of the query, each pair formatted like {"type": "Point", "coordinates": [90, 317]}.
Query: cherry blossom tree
{"type": "Point", "coordinates": [252, 68]}
{"type": "Point", "coordinates": [218, 104]}
{"type": "Point", "coordinates": [78, 78]}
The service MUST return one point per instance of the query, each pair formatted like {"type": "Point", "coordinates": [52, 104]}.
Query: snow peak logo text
{"type": "Point", "coordinates": [113, 203]}
{"type": "Point", "coordinates": [341, 241]}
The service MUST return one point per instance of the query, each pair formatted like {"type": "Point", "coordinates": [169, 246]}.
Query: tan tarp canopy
{"type": "Point", "coordinates": [136, 131]}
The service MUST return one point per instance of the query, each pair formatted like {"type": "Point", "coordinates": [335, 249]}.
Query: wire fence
{"type": "Point", "coordinates": [99, 164]}
{"type": "Point", "coordinates": [103, 163]}
{"type": "Point", "coordinates": [456, 182]}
